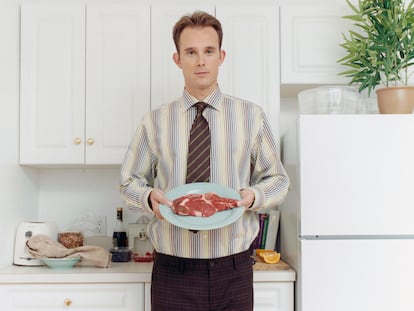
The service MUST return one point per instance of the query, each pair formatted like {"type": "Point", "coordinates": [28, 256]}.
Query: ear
{"type": "Point", "coordinates": [176, 59]}
{"type": "Point", "coordinates": [222, 56]}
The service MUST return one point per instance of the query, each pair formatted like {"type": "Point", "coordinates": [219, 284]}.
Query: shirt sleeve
{"type": "Point", "coordinates": [138, 171]}
{"type": "Point", "coordinates": [269, 180]}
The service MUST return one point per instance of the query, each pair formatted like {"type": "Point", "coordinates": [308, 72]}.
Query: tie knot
{"type": "Point", "coordinates": [200, 107]}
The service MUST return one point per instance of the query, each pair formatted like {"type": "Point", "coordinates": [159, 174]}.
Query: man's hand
{"type": "Point", "coordinates": [247, 198]}
{"type": "Point", "coordinates": [156, 198]}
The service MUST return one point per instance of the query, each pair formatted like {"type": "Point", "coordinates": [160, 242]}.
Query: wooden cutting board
{"type": "Point", "coordinates": [261, 265]}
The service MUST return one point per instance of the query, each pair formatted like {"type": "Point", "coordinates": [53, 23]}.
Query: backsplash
{"type": "Point", "coordinates": [67, 194]}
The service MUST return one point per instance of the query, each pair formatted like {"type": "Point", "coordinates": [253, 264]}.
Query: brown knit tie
{"type": "Point", "coordinates": [198, 162]}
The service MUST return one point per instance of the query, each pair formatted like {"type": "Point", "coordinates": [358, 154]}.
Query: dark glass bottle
{"type": "Point", "coordinates": [119, 236]}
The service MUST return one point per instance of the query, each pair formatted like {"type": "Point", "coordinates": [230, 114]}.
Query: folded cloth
{"type": "Point", "coordinates": [41, 246]}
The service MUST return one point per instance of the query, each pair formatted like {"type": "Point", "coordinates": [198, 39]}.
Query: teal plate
{"type": "Point", "coordinates": [60, 263]}
{"type": "Point", "coordinates": [217, 220]}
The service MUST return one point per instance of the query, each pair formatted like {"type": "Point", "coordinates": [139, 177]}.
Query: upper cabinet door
{"type": "Point", "coordinates": [251, 67]}
{"type": "Point", "coordinates": [89, 72]}
{"type": "Point", "coordinates": [167, 82]}
{"type": "Point", "coordinates": [117, 78]}
{"type": "Point", "coordinates": [52, 83]}
{"type": "Point", "coordinates": [310, 38]}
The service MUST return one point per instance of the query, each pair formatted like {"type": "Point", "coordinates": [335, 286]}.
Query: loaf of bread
{"type": "Point", "coordinates": [70, 239]}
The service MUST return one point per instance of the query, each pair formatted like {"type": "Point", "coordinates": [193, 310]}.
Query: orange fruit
{"type": "Point", "coordinates": [272, 257]}
{"type": "Point", "coordinates": [260, 252]}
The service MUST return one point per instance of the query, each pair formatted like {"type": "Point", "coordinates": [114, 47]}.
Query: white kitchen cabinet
{"type": "Point", "coordinates": [52, 83]}
{"type": "Point", "coordinates": [251, 68]}
{"type": "Point", "coordinates": [90, 72]}
{"type": "Point", "coordinates": [119, 287]}
{"type": "Point", "coordinates": [92, 297]}
{"type": "Point", "coordinates": [273, 296]}
{"type": "Point", "coordinates": [147, 296]}
{"type": "Point", "coordinates": [117, 83]}
{"type": "Point", "coordinates": [268, 296]}
{"type": "Point", "coordinates": [310, 38]}
{"type": "Point", "coordinates": [84, 81]}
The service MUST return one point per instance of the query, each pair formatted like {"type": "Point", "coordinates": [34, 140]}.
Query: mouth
{"type": "Point", "coordinates": [201, 73]}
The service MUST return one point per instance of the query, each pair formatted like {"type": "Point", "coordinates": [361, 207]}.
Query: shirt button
{"type": "Point", "coordinates": [212, 264]}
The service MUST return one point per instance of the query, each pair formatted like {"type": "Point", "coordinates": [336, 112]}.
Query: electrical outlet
{"type": "Point", "coordinates": [100, 228]}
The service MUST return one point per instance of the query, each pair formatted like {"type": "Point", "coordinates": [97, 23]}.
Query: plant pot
{"type": "Point", "coordinates": [397, 100]}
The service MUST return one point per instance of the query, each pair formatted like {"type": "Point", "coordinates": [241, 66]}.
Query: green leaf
{"type": "Point", "coordinates": [380, 45]}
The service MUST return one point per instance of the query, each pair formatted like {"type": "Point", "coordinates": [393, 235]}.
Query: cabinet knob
{"type": "Point", "coordinates": [67, 302]}
{"type": "Point", "coordinates": [77, 141]}
{"type": "Point", "coordinates": [90, 141]}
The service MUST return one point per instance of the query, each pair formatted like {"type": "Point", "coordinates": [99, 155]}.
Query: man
{"type": "Point", "coordinates": [207, 269]}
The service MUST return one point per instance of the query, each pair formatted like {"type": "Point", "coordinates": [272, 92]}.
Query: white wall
{"type": "Point", "coordinates": [18, 194]}
{"type": "Point", "coordinates": [288, 225]}
{"type": "Point", "coordinates": [69, 195]}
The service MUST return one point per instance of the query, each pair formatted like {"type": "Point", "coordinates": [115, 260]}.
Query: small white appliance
{"type": "Point", "coordinates": [24, 231]}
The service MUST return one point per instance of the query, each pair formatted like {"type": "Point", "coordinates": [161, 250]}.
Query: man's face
{"type": "Point", "coordinates": [199, 59]}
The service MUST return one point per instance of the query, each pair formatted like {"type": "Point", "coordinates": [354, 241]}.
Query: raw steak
{"type": "Point", "coordinates": [203, 205]}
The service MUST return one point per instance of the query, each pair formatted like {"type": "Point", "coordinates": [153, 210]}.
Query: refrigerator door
{"type": "Point", "coordinates": [357, 275]}
{"type": "Point", "coordinates": [356, 174]}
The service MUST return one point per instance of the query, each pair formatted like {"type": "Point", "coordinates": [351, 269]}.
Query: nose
{"type": "Point", "coordinates": [200, 61]}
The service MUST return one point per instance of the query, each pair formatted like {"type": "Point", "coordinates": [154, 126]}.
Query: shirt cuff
{"type": "Point", "coordinates": [146, 203]}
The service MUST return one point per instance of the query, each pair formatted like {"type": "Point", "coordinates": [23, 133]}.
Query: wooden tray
{"type": "Point", "coordinates": [261, 265]}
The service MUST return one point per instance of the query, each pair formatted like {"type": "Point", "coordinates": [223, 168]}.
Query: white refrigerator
{"type": "Point", "coordinates": [353, 244]}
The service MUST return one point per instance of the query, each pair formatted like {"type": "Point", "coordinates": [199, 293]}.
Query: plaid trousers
{"type": "Point", "coordinates": [220, 284]}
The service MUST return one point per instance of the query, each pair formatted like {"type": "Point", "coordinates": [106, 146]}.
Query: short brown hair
{"type": "Point", "coordinates": [197, 19]}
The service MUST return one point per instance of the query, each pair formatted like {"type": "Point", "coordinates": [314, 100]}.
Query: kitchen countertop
{"type": "Point", "coordinates": [121, 272]}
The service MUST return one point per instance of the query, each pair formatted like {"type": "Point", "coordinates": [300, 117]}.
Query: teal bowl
{"type": "Point", "coordinates": [60, 263]}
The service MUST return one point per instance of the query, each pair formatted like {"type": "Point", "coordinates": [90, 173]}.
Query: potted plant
{"type": "Point", "coordinates": [380, 51]}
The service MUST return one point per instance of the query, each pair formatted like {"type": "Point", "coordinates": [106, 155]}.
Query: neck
{"type": "Point", "coordinates": [201, 94]}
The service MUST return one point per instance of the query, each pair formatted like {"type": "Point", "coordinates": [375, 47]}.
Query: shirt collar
{"type": "Point", "coordinates": [213, 99]}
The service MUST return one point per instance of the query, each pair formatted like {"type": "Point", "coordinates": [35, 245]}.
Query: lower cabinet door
{"type": "Point", "coordinates": [147, 296]}
{"type": "Point", "coordinates": [273, 296]}
{"type": "Point", "coordinates": [268, 296]}
{"type": "Point", "coordinates": [90, 297]}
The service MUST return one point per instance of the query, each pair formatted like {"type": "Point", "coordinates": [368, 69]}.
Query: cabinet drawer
{"type": "Point", "coordinates": [273, 296]}
{"type": "Point", "coordinates": [114, 297]}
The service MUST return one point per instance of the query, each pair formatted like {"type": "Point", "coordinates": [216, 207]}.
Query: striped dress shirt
{"type": "Point", "coordinates": [243, 155]}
